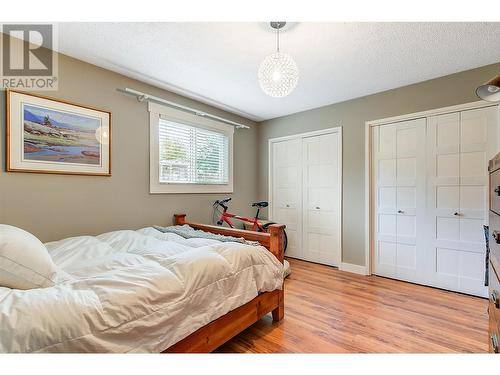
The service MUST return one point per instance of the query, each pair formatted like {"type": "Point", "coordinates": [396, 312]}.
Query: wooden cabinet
{"type": "Point", "coordinates": [494, 309]}
{"type": "Point", "coordinates": [494, 256]}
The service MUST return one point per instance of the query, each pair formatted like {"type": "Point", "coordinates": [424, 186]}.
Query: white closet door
{"type": "Point", "coordinates": [287, 191]}
{"type": "Point", "coordinates": [459, 145]}
{"type": "Point", "coordinates": [321, 160]}
{"type": "Point", "coordinates": [399, 196]}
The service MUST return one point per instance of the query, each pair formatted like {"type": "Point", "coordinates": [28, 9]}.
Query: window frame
{"type": "Point", "coordinates": [157, 112]}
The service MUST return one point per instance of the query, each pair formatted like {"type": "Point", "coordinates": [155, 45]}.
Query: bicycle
{"type": "Point", "coordinates": [226, 217]}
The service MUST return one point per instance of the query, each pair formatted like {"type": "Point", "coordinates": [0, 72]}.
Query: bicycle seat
{"type": "Point", "coordinates": [260, 204]}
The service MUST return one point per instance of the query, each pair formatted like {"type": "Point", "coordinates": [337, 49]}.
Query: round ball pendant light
{"type": "Point", "coordinates": [278, 73]}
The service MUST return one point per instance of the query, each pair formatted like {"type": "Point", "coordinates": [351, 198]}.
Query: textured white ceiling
{"type": "Point", "coordinates": [217, 63]}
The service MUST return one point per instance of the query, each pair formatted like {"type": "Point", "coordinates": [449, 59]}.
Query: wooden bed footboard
{"type": "Point", "coordinates": [210, 337]}
{"type": "Point", "coordinates": [273, 240]}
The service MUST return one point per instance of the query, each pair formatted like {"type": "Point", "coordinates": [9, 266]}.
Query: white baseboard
{"type": "Point", "coordinates": [354, 268]}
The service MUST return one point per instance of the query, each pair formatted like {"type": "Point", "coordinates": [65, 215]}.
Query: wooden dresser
{"type": "Point", "coordinates": [493, 259]}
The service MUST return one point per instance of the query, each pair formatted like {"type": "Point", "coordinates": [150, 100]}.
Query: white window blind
{"type": "Point", "coordinates": [192, 155]}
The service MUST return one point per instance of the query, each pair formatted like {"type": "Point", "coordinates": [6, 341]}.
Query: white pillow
{"type": "Point", "coordinates": [24, 261]}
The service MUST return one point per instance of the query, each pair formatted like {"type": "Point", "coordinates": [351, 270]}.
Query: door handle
{"type": "Point", "coordinates": [401, 212]}
{"type": "Point", "coordinates": [495, 299]}
{"type": "Point", "coordinates": [456, 214]}
{"type": "Point", "coordinates": [494, 342]}
{"type": "Point", "coordinates": [497, 190]}
{"type": "Point", "coordinates": [317, 207]}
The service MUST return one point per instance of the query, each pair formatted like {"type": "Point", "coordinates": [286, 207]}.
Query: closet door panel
{"type": "Point", "coordinates": [473, 201]}
{"type": "Point", "coordinates": [478, 137]}
{"type": "Point", "coordinates": [406, 171]}
{"type": "Point", "coordinates": [322, 197]}
{"type": "Point", "coordinates": [476, 127]}
{"type": "Point", "coordinates": [386, 142]}
{"type": "Point", "coordinates": [406, 261]}
{"type": "Point", "coordinates": [287, 191]}
{"type": "Point", "coordinates": [321, 189]}
{"type": "Point", "coordinates": [387, 172]}
{"type": "Point", "coordinates": [447, 229]}
{"type": "Point", "coordinates": [472, 166]}
{"type": "Point", "coordinates": [458, 200]}
{"type": "Point", "coordinates": [430, 196]}
{"type": "Point", "coordinates": [447, 197]}
{"type": "Point", "coordinates": [406, 136]}
{"type": "Point", "coordinates": [399, 170]}
{"type": "Point", "coordinates": [410, 191]}
{"type": "Point", "coordinates": [460, 270]}
{"type": "Point", "coordinates": [446, 133]}
{"type": "Point", "coordinates": [443, 144]}
{"type": "Point", "coordinates": [386, 258]}
{"type": "Point", "coordinates": [386, 194]}
{"type": "Point", "coordinates": [387, 226]}
{"type": "Point", "coordinates": [387, 197]}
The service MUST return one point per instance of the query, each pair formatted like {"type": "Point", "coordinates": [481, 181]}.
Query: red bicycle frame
{"type": "Point", "coordinates": [226, 218]}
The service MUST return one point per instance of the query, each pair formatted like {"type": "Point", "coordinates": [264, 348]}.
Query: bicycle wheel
{"type": "Point", "coordinates": [285, 237]}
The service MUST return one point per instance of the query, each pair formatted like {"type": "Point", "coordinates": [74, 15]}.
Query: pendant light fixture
{"type": "Point", "coordinates": [278, 73]}
{"type": "Point", "coordinates": [490, 91]}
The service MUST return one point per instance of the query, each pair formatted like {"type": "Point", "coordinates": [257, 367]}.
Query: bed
{"type": "Point", "coordinates": [147, 291]}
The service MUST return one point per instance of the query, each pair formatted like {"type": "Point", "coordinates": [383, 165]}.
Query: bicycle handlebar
{"type": "Point", "coordinates": [221, 202]}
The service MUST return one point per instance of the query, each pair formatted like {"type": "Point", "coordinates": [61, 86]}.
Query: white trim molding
{"type": "Point", "coordinates": [432, 112]}
{"type": "Point", "coordinates": [353, 268]}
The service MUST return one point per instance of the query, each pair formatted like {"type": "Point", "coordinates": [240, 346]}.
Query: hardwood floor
{"type": "Point", "coordinates": [331, 311]}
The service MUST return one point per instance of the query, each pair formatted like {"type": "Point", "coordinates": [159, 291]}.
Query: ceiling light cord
{"type": "Point", "coordinates": [277, 40]}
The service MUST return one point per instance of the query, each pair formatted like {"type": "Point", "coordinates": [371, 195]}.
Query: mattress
{"type": "Point", "coordinates": [133, 291]}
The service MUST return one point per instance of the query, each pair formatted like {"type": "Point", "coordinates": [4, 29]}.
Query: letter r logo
{"type": "Point", "coordinates": [27, 50]}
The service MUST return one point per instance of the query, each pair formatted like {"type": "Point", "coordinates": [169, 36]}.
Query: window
{"type": "Point", "coordinates": [192, 155]}
{"type": "Point", "coordinates": [189, 154]}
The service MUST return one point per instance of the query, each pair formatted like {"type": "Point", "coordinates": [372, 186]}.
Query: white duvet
{"type": "Point", "coordinates": [133, 291]}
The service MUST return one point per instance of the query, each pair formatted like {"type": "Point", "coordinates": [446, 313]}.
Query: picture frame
{"type": "Point", "coordinates": [46, 135]}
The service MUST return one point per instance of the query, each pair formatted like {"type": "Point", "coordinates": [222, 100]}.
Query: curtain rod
{"type": "Point", "coordinates": [141, 96]}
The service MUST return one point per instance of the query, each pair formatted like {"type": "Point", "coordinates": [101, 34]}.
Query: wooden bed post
{"type": "Point", "coordinates": [179, 219]}
{"type": "Point", "coordinates": [277, 247]}
{"type": "Point", "coordinates": [277, 241]}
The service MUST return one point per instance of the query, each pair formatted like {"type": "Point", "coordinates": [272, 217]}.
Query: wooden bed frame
{"type": "Point", "coordinates": [209, 337]}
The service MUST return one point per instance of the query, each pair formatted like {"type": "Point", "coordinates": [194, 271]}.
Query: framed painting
{"type": "Point", "coordinates": [52, 136]}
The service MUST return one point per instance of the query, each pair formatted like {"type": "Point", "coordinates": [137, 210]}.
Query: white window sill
{"type": "Point", "coordinates": [159, 188]}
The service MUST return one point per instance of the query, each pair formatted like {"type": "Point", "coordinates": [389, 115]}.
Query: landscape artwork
{"type": "Point", "coordinates": [57, 136]}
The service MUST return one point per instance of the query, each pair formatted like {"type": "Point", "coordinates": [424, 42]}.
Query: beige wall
{"type": "Point", "coordinates": [56, 206]}
{"type": "Point", "coordinates": [351, 115]}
